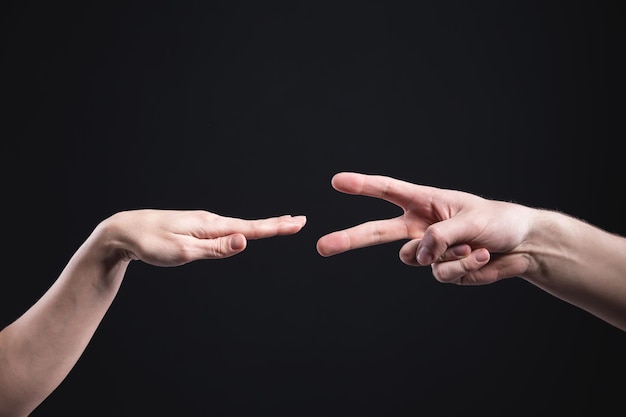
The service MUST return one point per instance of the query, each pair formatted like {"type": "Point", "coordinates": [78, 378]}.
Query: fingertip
{"type": "Point", "coordinates": [292, 226]}
{"type": "Point", "coordinates": [348, 182]}
{"type": "Point", "coordinates": [319, 246]}
{"type": "Point", "coordinates": [300, 220]}
{"type": "Point", "coordinates": [407, 258]}
{"type": "Point", "coordinates": [335, 178]}
{"type": "Point", "coordinates": [342, 175]}
{"type": "Point", "coordinates": [425, 256]}
{"type": "Point", "coordinates": [461, 250]}
{"type": "Point", "coordinates": [482, 255]}
{"type": "Point", "coordinates": [329, 245]}
{"type": "Point", "coordinates": [238, 242]}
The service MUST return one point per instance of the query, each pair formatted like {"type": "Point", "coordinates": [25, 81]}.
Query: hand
{"type": "Point", "coordinates": [176, 237]}
{"type": "Point", "coordinates": [465, 238]}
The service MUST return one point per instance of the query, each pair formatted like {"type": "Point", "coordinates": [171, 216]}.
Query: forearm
{"type": "Point", "coordinates": [39, 349]}
{"type": "Point", "coordinates": [581, 264]}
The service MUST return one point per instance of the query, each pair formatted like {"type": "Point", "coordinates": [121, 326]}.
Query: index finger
{"type": "Point", "coordinates": [395, 191]}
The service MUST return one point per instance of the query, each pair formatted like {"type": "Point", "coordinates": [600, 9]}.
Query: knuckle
{"type": "Point", "coordinates": [442, 273]}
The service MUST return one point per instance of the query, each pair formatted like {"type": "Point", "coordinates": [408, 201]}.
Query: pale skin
{"type": "Point", "coordinates": [39, 349]}
{"type": "Point", "coordinates": [471, 240]}
{"type": "Point", "coordinates": [466, 239]}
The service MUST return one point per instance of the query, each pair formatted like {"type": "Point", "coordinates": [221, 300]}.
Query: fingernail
{"type": "Point", "coordinates": [460, 250]}
{"type": "Point", "coordinates": [298, 219]}
{"type": "Point", "coordinates": [237, 242]}
{"type": "Point", "coordinates": [482, 256]}
{"type": "Point", "coordinates": [424, 257]}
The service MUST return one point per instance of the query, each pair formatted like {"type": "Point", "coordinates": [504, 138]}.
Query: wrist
{"type": "Point", "coordinates": [110, 239]}
{"type": "Point", "coordinates": [550, 244]}
{"type": "Point", "coordinates": [104, 253]}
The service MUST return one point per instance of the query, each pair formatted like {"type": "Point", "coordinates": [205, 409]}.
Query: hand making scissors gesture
{"type": "Point", "coordinates": [471, 240]}
{"type": "Point", "coordinates": [453, 231]}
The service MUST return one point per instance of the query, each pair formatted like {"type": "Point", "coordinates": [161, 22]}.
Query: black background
{"type": "Point", "coordinates": [247, 109]}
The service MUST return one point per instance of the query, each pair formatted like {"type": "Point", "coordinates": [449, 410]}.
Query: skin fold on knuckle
{"type": "Point", "coordinates": [434, 240]}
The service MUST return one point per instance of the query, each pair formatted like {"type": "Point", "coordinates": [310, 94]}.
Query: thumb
{"type": "Point", "coordinates": [438, 237]}
{"type": "Point", "coordinates": [237, 242]}
{"type": "Point", "coordinates": [226, 246]}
